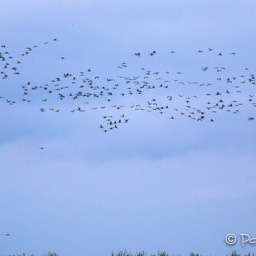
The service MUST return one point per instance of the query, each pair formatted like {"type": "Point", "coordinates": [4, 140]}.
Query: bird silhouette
{"type": "Point", "coordinates": [220, 88]}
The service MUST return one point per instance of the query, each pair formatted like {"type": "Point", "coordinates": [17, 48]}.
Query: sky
{"type": "Point", "coordinates": [73, 183]}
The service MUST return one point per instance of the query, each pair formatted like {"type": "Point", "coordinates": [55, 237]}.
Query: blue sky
{"type": "Point", "coordinates": [154, 183]}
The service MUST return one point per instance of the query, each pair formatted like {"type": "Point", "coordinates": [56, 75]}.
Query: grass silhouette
{"type": "Point", "coordinates": [142, 253]}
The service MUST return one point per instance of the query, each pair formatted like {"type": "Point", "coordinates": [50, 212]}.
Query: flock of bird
{"type": "Point", "coordinates": [150, 91]}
